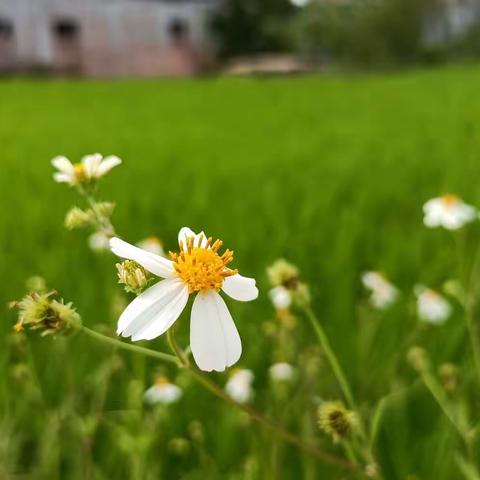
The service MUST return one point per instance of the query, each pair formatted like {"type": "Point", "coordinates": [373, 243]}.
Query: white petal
{"type": "Point", "coordinates": [214, 338]}
{"type": "Point", "coordinates": [153, 263]}
{"type": "Point", "coordinates": [63, 177]}
{"type": "Point", "coordinates": [107, 164]}
{"type": "Point", "coordinates": [158, 303]}
{"type": "Point", "coordinates": [186, 232]}
{"type": "Point", "coordinates": [63, 164]}
{"type": "Point", "coordinates": [91, 164]}
{"type": "Point", "coordinates": [240, 288]}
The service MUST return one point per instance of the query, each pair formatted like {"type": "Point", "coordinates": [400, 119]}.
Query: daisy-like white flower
{"type": "Point", "coordinates": [431, 306]}
{"type": "Point", "coordinates": [152, 245]}
{"type": "Point", "coordinates": [239, 385]}
{"type": "Point", "coordinates": [281, 297]}
{"type": "Point", "coordinates": [197, 269]}
{"type": "Point", "coordinates": [163, 392]}
{"type": "Point", "coordinates": [98, 242]}
{"type": "Point", "coordinates": [281, 372]}
{"type": "Point", "coordinates": [90, 168]}
{"type": "Point", "coordinates": [449, 212]}
{"type": "Point", "coordinates": [383, 293]}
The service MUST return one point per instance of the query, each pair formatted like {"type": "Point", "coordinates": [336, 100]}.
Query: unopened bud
{"type": "Point", "coordinates": [418, 358]}
{"type": "Point", "coordinates": [133, 276]}
{"type": "Point", "coordinates": [78, 218]}
{"type": "Point", "coordinates": [179, 446]}
{"type": "Point", "coordinates": [448, 373]}
{"type": "Point", "coordinates": [283, 273]}
{"type": "Point", "coordinates": [105, 209]}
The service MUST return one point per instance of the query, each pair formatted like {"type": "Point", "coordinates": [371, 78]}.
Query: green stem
{"type": "Point", "coordinates": [216, 390]}
{"type": "Point", "coordinates": [127, 346]}
{"type": "Point", "coordinates": [331, 357]}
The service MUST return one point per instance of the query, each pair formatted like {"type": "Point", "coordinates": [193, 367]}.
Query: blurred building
{"type": "Point", "coordinates": [105, 38]}
{"type": "Point", "coordinates": [447, 20]}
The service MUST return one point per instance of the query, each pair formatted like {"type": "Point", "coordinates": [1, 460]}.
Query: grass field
{"type": "Point", "coordinates": [329, 172]}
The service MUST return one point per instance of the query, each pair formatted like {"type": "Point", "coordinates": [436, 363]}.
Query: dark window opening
{"type": "Point", "coordinates": [66, 29]}
{"type": "Point", "coordinates": [178, 29]}
{"type": "Point", "coordinates": [6, 29]}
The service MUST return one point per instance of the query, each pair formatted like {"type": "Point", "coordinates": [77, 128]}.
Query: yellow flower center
{"type": "Point", "coordinates": [161, 380]}
{"type": "Point", "coordinates": [202, 268]}
{"type": "Point", "coordinates": [79, 172]}
{"type": "Point", "coordinates": [449, 200]}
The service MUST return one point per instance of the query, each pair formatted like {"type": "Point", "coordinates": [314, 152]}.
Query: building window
{"type": "Point", "coordinates": [178, 30]}
{"type": "Point", "coordinates": [66, 29]}
{"type": "Point", "coordinates": [6, 29]}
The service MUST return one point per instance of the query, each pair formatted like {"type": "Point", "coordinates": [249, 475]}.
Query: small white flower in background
{"type": "Point", "coordinates": [431, 306]}
{"type": "Point", "coordinates": [281, 372]}
{"type": "Point", "coordinates": [163, 392]}
{"type": "Point", "coordinates": [197, 269]}
{"type": "Point", "coordinates": [98, 241]}
{"type": "Point", "coordinates": [90, 168]}
{"type": "Point", "coordinates": [281, 298]}
{"type": "Point", "coordinates": [152, 245]}
{"type": "Point", "coordinates": [449, 212]}
{"type": "Point", "coordinates": [239, 385]}
{"type": "Point", "coordinates": [383, 293]}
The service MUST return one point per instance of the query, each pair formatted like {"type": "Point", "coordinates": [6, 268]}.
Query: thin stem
{"type": "Point", "coordinates": [176, 349]}
{"type": "Point", "coordinates": [269, 424]}
{"type": "Point", "coordinates": [216, 390]}
{"type": "Point", "coordinates": [331, 357]}
{"type": "Point", "coordinates": [127, 346]}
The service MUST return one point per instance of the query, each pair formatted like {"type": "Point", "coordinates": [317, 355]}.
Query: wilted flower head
{"type": "Point", "coordinates": [449, 212]}
{"type": "Point", "coordinates": [239, 385]}
{"type": "Point", "coordinates": [281, 297]}
{"type": "Point", "coordinates": [283, 273]}
{"type": "Point", "coordinates": [281, 372]}
{"type": "Point", "coordinates": [335, 420]}
{"type": "Point", "coordinates": [431, 306]}
{"type": "Point", "coordinates": [133, 276]}
{"type": "Point", "coordinates": [383, 293]}
{"type": "Point", "coordinates": [41, 311]}
{"type": "Point", "coordinates": [153, 245]}
{"type": "Point", "coordinates": [91, 168]}
{"type": "Point", "coordinates": [163, 392]}
{"type": "Point", "coordinates": [197, 269]}
{"type": "Point", "coordinates": [99, 241]}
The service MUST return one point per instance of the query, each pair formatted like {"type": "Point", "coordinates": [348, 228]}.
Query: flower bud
{"type": "Point", "coordinates": [335, 420]}
{"type": "Point", "coordinates": [40, 311]}
{"type": "Point", "coordinates": [448, 373]}
{"type": "Point", "coordinates": [78, 218]}
{"type": "Point", "coordinates": [195, 430]}
{"type": "Point", "coordinates": [179, 446]}
{"type": "Point", "coordinates": [133, 276]}
{"type": "Point", "coordinates": [418, 358]}
{"type": "Point", "coordinates": [105, 209]}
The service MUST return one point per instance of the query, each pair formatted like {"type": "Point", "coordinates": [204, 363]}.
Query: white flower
{"type": "Point", "coordinates": [163, 392]}
{"type": "Point", "coordinates": [431, 306]}
{"type": "Point", "coordinates": [383, 293]}
{"type": "Point", "coordinates": [281, 372]}
{"type": "Point", "coordinates": [280, 297]}
{"type": "Point", "coordinates": [239, 385]}
{"type": "Point", "coordinates": [152, 245]}
{"type": "Point", "coordinates": [90, 168]}
{"type": "Point", "coordinates": [98, 241]}
{"type": "Point", "coordinates": [449, 212]}
{"type": "Point", "coordinates": [197, 269]}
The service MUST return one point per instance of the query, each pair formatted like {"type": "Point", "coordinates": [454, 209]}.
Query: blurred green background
{"type": "Point", "coordinates": [329, 172]}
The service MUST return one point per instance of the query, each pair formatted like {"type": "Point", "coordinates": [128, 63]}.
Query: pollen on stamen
{"type": "Point", "coordinates": [199, 264]}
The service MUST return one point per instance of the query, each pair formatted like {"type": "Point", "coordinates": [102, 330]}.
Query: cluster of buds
{"type": "Point", "coordinates": [78, 218]}
{"type": "Point", "coordinates": [47, 313]}
{"type": "Point", "coordinates": [287, 287]}
{"type": "Point", "coordinates": [133, 276]}
{"type": "Point", "coordinates": [336, 420]}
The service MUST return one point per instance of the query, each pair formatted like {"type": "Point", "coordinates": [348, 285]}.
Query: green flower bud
{"type": "Point", "coordinates": [448, 373]}
{"type": "Point", "coordinates": [418, 358]}
{"type": "Point", "coordinates": [179, 446]}
{"type": "Point", "coordinates": [78, 218]}
{"type": "Point", "coordinates": [105, 209]}
{"type": "Point", "coordinates": [133, 276]}
{"type": "Point", "coordinates": [283, 273]}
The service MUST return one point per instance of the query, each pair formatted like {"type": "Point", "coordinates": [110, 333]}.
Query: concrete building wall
{"type": "Point", "coordinates": [107, 37]}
